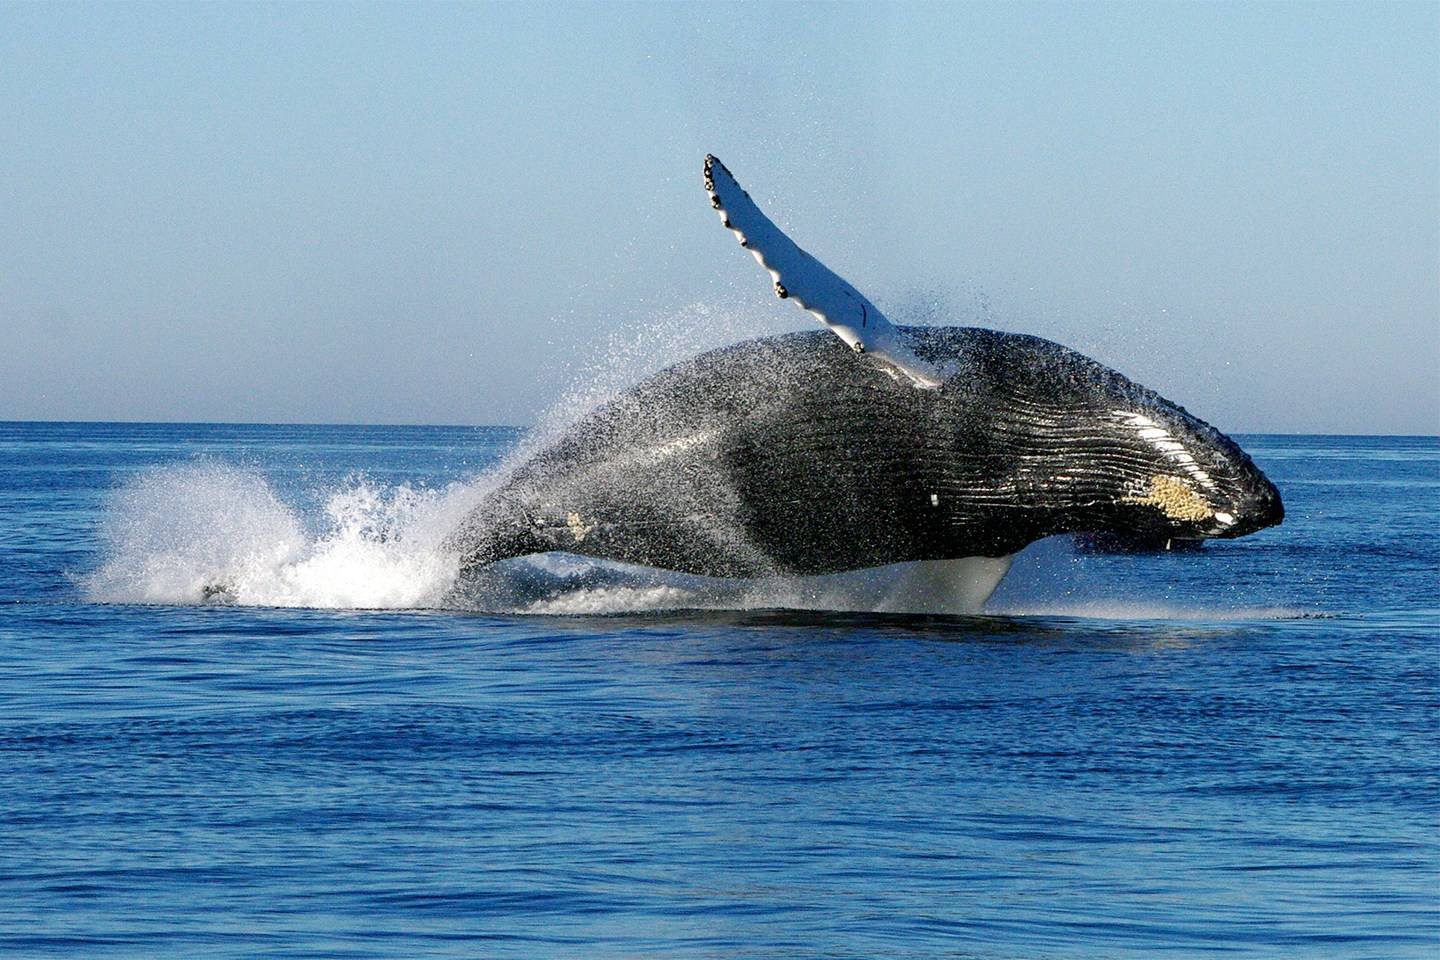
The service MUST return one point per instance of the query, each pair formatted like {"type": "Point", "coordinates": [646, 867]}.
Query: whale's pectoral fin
{"type": "Point", "coordinates": [800, 277]}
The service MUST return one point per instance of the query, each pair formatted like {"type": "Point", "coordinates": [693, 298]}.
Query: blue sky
{"type": "Point", "coordinates": [439, 213]}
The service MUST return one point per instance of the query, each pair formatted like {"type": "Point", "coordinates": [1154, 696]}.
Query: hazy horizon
{"type": "Point", "coordinates": [526, 427]}
{"type": "Point", "coordinates": [454, 214]}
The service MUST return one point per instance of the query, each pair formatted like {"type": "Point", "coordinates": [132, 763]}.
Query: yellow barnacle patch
{"type": "Point", "coordinates": [1174, 497]}
{"type": "Point", "coordinates": [578, 528]}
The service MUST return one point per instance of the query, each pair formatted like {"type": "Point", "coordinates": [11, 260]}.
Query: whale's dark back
{"type": "Point", "coordinates": [791, 454]}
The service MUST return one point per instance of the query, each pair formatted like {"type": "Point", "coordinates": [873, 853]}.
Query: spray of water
{"type": "Point", "coordinates": [216, 533]}
{"type": "Point", "coordinates": [628, 355]}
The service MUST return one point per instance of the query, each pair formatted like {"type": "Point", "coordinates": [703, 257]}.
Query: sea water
{"type": "Point", "coordinates": [237, 720]}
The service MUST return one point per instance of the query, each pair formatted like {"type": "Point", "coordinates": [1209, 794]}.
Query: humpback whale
{"type": "Point", "coordinates": [866, 444]}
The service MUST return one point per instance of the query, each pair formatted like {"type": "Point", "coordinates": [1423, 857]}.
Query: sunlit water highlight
{"type": "Point", "coordinates": [1229, 752]}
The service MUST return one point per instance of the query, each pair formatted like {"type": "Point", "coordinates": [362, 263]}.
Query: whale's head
{"type": "Point", "coordinates": [1128, 461]}
{"type": "Point", "coordinates": [1174, 476]}
{"type": "Point", "coordinates": [1101, 453]}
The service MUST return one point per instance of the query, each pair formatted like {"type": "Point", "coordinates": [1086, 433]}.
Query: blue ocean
{"type": "Point", "coordinates": [243, 713]}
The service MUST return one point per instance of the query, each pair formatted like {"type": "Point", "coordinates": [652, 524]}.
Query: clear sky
{"type": "Point", "coordinates": [436, 213]}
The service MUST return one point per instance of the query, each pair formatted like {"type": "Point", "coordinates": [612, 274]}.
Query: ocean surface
{"type": "Point", "coordinates": [237, 719]}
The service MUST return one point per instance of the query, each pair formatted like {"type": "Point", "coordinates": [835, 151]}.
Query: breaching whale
{"type": "Point", "coordinates": [812, 453]}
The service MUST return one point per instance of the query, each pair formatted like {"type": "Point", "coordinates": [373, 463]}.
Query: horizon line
{"type": "Point", "coordinates": [511, 426]}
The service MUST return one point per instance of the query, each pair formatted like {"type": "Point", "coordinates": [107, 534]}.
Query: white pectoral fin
{"type": "Point", "coordinates": [800, 277]}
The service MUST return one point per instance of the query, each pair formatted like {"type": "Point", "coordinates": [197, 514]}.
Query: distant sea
{"type": "Point", "coordinates": [237, 720]}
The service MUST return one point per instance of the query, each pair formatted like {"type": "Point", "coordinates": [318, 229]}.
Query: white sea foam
{"type": "Point", "coordinates": [218, 533]}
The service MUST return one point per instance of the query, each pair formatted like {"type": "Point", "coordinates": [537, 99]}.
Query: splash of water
{"type": "Point", "coordinates": [623, 357]}
{"type": "Point", "coordinates": [217, 533]}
